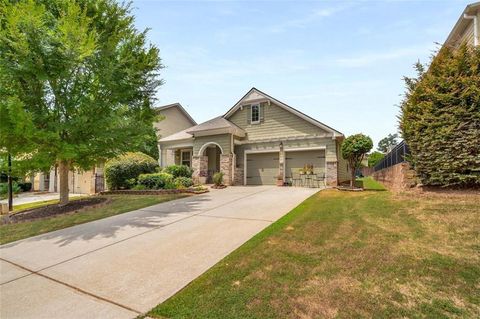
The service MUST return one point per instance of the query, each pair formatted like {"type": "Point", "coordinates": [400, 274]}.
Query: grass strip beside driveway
{"type": "Point", "coordinates": [118, 204]}
{"type": "Point", "coordinates": [348, 255]}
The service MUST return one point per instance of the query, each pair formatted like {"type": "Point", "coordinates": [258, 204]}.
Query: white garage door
{"type": "Point", "coordinates": [262, 168]}
{"type": "Point", "coordinates": [295, 161]}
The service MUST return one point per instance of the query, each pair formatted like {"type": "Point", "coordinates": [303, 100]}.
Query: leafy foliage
{"type": "Point", "coordinates": [440, 118]}
{"type": "Point", "coordinates": [156, 180]}
{"type": "Point", "coordinates": [123, 171]}
{"type": "Point", "coordinates": [84, 76]}
{"type": "Point", "coordinates": [179, 171]}
{"type": "Point", "coordinates": [387, 143]}
{"type": "Point", "coordinates": [374, 158]}
{"type": "Point", "coordinates": [4, 188]}
{"type": "Point", "coordinates": [218, 178]}
{"type": "Point", "coordinates": [353, 150]}
{"type": "Point", "coordinates": [183, 182]}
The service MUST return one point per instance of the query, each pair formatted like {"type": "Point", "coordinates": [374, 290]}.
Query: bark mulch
{"type": "Point", "coordinates": [54, 210]}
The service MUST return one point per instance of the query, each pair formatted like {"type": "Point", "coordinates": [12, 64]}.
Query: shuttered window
{"type": "Point", "coordinates": [255, 114]}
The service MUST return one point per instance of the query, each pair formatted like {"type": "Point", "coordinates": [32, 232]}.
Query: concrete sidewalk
{"type": "Point", "coordinates": [33, 197]}
{"type": "Point", "coordinates": [122, 266]}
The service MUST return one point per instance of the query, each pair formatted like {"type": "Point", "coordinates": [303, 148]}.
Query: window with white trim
{"type": "Point", "coordinates": [255, 116]}
{"type": "Point", "coordinates": [186, 158]}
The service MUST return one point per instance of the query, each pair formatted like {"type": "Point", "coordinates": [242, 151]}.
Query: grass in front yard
{"type": "Point", "coordinates": [349, 255]}
{"type": "Point", "coordinates": [21, 207]}
{"type": "Point", "coordinates": [119, 204]}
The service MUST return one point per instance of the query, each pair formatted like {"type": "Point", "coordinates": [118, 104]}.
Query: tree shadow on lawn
{"type": "Point", "coordinates": [131, 223]}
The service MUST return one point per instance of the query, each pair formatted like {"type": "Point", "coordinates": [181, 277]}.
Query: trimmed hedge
{"type": "Point", "coordinates": [123, 171]}
{"type": "Point", "coordinates": [183, 182]}
{"type": "Point", "coordinates": [178, 171]}
{"type": "Point", "coordinates": [156, 181]}
{"type": "Point", "coordinates": [440, 118]}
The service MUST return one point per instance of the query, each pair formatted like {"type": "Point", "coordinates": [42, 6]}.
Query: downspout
{"type": "Point", "coordinates": [475, 27]}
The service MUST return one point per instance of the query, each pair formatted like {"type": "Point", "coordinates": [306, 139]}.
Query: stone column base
{"type": "Point", "coordinates": [332, 174]}
{"type": "Point", "coordinates": [200, 169]}
{"type": "Point", "coordinates": [226, 162]}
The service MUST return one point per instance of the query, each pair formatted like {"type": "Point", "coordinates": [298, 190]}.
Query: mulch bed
{"type": "Point", "coordinates": [54, 210]}
{"type": "Point", "coordinates": [218, 186]}
{"type": "Point", "coordinates": [155, 191]}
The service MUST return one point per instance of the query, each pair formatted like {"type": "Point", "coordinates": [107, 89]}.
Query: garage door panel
{"type": "Point", "coordinates": [262, 168]}
{"type": "Point", "coordinates": [296, 160]}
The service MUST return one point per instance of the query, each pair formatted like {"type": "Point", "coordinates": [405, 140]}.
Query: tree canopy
{"type": "Point", "coordinates": [386, 144]}
{"type": "Point", "coordinates": [440, 118]}
{"type": "Point", "coordinates": [82, 74]}
{"type": "Point", "coordinates": [354, 149]}
{"type": "Point", "coordinates": [374, 158]}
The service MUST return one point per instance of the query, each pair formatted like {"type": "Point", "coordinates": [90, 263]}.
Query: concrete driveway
{"type": "Point", "coordinates": [122, 266]}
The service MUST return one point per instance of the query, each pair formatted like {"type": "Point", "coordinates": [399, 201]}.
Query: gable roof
{"type": "Point", "coordinates": [179, 107]}
{"type": "Point", "coordinates": [255, 95]}
{"type": "Point", "coordinates": [462, 23]}
{"type": "Point", "coordinates": [217, 124]}
{"type": "Point", "coordinates": [182, 135]}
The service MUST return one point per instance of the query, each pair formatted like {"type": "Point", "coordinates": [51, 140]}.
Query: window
{"type": "Point", "coordinates": [186, 158]}
{"type": "Point", "coordinates": [255, 114]}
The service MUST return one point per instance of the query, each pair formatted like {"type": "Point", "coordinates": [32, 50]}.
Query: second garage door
{"type": "Point", "coordinates": [262, 168]}
{"type": "Point", "coordinates": [296, 160]}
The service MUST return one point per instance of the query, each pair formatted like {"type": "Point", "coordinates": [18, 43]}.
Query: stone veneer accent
{"type": "Point", "coordinates": [226, 161]}
{"type": "Point", "coordinates": [331, 175]}
{"type": "Point", "coordinates": [200, 169]}
{"type": "Point", "coordinates": [238, 177]}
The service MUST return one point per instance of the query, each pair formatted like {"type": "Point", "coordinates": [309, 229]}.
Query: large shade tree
{"type": "Point", "coordinates": [354, 149]}
{"type": "Point", "coordinates": [85, 76]}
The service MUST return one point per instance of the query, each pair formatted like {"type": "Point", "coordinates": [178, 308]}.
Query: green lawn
{"type": "Point", "coordinates": [349, 255]}
{"type": "Point", "coordinates": [119, 204]}
{"type": "Point", "coordinates": [19, 208]}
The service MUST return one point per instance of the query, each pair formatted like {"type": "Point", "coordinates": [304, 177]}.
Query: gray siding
{"type": "Point", "coordinates": [277, 122]}
{"type": "Point", "coordinates": [328, 143]}
{"type": "Point", "coordinates": [224, 140]}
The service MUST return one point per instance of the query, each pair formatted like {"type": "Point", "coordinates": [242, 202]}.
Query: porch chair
{"type": "Point", "coordinates": [296, 180]}
{"type": "Point", "coordinates": [319, 178]}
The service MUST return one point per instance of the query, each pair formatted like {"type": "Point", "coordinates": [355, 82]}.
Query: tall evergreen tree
{"type": "Point", "coordinates": [440, 118]}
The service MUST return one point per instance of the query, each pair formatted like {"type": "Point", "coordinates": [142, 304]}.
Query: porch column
{"type": "Point", "coordinates": [200, 169]}
{"type": "Point", "coordinates": [331, 174]}
{"type": "Point", "coordinates": [226, 164]}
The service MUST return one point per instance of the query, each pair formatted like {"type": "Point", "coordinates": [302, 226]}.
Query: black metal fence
{"type": "Point", "coordinates": [395, 156]}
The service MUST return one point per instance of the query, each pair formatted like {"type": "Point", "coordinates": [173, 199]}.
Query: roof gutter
{"type": "Point", "coordinates": [475, 27]}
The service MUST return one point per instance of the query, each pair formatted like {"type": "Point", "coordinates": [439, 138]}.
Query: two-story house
{"type": "Point", "coordinates": [257, 141]}
{"type": "Point", "coordinates": [467, 28]}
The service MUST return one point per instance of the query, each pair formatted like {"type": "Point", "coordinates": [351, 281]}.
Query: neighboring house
{"type": "Point", "coordinates": [467, 28]}
{"type": "Point", "coordinates": [174, 119]}
{"type": "Point", "coordinates": [79, 181]}
{"type": "Point", "coordinates": [255, 141]}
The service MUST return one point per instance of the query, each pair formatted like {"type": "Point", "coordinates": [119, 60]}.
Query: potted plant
{"type": "Point", "coordinates": [279, 180]}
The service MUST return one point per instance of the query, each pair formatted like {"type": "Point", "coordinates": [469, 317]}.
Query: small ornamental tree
{"type": "Point", "coordinates": [86, 78]}
{"type": "Point", "coordinates": [354, 149]}
{"type": "Point", "coordinates": [440, 118]}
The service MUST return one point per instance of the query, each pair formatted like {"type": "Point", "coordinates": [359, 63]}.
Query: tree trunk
{"type": "Point", "coordinates": [63, 169]}
{"type": "Point", "coordinates": [352, 178]}
{"type": "Point", "coordinates": [10, 184]}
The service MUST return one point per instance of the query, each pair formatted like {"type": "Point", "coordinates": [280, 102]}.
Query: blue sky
{"type": "Point", "coordinates": [341, 62]}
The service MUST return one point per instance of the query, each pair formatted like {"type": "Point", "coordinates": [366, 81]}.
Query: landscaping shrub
{"type": "Point", "coordinates": [122, 172]}
{"type": "Point", "coordinates": [179, 171]}
{"type": "Point", "coordinates": [25, 186]}
{"type": "Point", "coordinates": [4, 188]}
{"type": "Point", "coordinates": [440, 118]}
{"type": "Point", "coordinates": [183, 182]}
{"type": "Point", "coordinates": [156, 180]}
{"type": "Point", "coordinates": [218, 178]}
